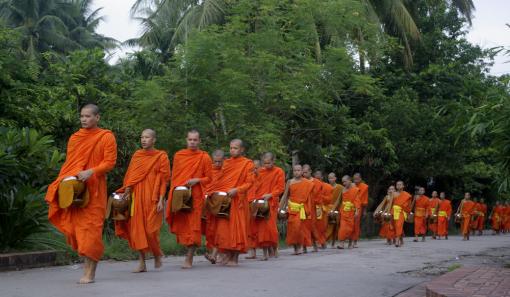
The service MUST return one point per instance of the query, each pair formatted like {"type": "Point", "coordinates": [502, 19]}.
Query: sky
{"type": "Point", "coordinates": [488, 29]}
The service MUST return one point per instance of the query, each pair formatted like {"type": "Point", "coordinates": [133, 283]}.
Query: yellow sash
{"type": "Point", "coordinates": [420, 212]}
{"type": "Point", "coordinates": [348, 206]}
{"type": "Point", "coordinates": [298, 207]}
{"type": "Point", "coordinates": [442, 213]}
{"type": "Point", "coordinates": [396, 212]}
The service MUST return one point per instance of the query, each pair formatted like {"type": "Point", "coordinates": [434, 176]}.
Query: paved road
{"type": "Point", "coordinates": [374, 269]}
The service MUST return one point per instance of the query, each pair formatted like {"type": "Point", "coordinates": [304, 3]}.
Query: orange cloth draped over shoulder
{"type": "Point", "coordinates": [231, 233]}
{"type": "Point", "coordinates": [363, 196]}
{"type": "Point", "coordinates": [350, 203]}
{"type": "Point", "coordinates": [300, 193]}
{"type": "Point", "coordinates": [433, 207]}
{"type": "Point", "coordinates": [483, 215]}
{"type": "Point", "coordinates": [147, 176]}
{"type": "Point", "coordinates": [210, 220]}
{"type": "Point", "coordinates": [497, 217]}
{"type": "Point", "coordinates": [444, 214]}
{"type": "Point", "coordinates": [250, 220]}
{"type": "Point", "coordinates": [270, 181]}
{"type": "Point", "coordinates": [401, 207]}
{"type": "Point", "coordinates": [188, 164]}
{"type": "Point", "coordinates": [421, 209]}
{"type": "Point", "coordinates": [94, 149]}
{"type": "Point", "coordinates": [316, 202]}
{"type": "Point", "coordinates": [467, 209]}
{"type": "Point", "coordinates": [327, 197]}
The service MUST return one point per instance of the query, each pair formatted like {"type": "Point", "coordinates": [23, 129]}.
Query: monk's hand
{"type": "Point", "coordinates": [85, 174]}
{"type": "Point", "coordinates": [159, 208]}
{"type": "Point", "coordinates": [192, 182]}
{"type": "Point", "coordinates": [267, 196]}
{"type": "Point", "coordinates": [232, 192]}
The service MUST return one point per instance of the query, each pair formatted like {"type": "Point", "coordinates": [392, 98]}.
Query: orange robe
{"type": "Point", "coordinates": [322, 222]}
{"type": "Point", "coordinates": [329, 204]}
{"type": "Point", "coordinates": [231, 233]}
{"type": "Point", "coordinates": [421, 208]}
{"type": "Point", "coordinates": [433, 207]}
{"type": "Point", "coordinates": [497, 217]}
{"type": "Point", "coordinates": [481, 218]}
{"type": "Point", "coordinates": [467, 210]}
{"type": "Point", "coordinates": [401, 207]}
{"type": "Point", "coordinates": [506, 219]}
{"type": "Point", "coordinates": [350, 203]}
{"type": "Point", "coordinates": [94, 149]}
{"type": "Point", "coordinates": [443, 217]}
{"type": "Point", "coordinates": [476, 210]}
{"type": "Point", "coordinates": [187, 225]}
{"type": "Point", "coordinates": [297, 230]}
{"type": "Point", "coordinates": [363, 196]}
{"type": "Point", "coordinates": [270, 181]}
{"type": "Point", "coordinates": [250, 220]}
{"type": "Point", "coordinates": [316, 202]}
{"type": "Point", "coordinates": [209, 227]}
{"type": "Point", "coordinates": [387, 229]}
{"type": "Point", "coordinates": [147, 176]}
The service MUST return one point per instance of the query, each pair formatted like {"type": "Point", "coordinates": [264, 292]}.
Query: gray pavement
{"type": "Point", "coordinates": [373, 269]}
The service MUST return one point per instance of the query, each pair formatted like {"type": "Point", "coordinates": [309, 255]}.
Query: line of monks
{"type": "Point", "coordinates": [235, 202]}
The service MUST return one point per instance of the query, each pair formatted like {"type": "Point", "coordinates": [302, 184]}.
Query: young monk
{"type": "Point", "coordinates": [191, 168]}
{"type": "Point", "coordinates": [387, 229]}
{"type": "Point", "coordinates": [271, 184]}
{"type": "Point", "coordinates": [218, 156]}
{"type": "Point", "coordinates": [473, 226]}
{"type": "Point", "coordinates": [481, 217]}
{"type": "Point", "coordinates": [350, 208]}
{"type": "Point", "coordinates": [236, 179]}
{"type": "Point", "coordinates": [466, 210]}
{"type": "Point", "coordinates": [330, 200]}
{"type": "Point", "coordinates": [443, 216]}
{"type": "Point", "coordinates": [496, 217]}
{"type": "Point", "coordinates": [421, 207]}
{"type": "Point", "coordinates": [91, 153]}
{"type": "Point", "coordinates": [145, 182]}
{"type": "Point", "coordinates": [296, 200]}
{"type": "Point", "coordinates": [400, 209]}
{"type": "Point", "coordinates": [316, 203]}
{"type": "Point", "coordinates": [321, 210]}
{"type": "Point", "coordinates": [363, 194]}
{"type": "Point", "coordinates": [432, 213]}
{"type": "Point", "coordinates": [250, 223]}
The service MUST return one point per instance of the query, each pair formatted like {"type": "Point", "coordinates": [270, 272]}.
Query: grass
{"type": "Point", "coordinates": [453, 267]}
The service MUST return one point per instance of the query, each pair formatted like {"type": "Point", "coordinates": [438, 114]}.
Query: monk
{"type": "Point", "coordinates": [145, 181]}
{"type": "Point", "coordinates": [250, 223]}
{"type": "Point", "coordinates": [271, 184]}
{"type": "Point", "coordinates": [506, 218]}
{"type": "Point", "coordinates": [496, 218]}
{"type": "Point", "coordinates": [321, 224]}
{"type": "Point", "coordinates": [350, 208]}
{"type": "Point", "coordinates": [218, 156]}
{"type": "Point", "coordinates": [443, 216]}
{"type": "Point", "coordinates": [316, 203]}
{"type": "Point", "coordinates": [236, 179]}
{"type": "Point", "coordinates": [363, 192]}
{"type": "Point", "coordinates": [91, 153]}
{"type": "Point", "coordinates": [421, 207]}
{"type": "Point", "coordinates": [466, 210]}
{"type": "Point", "coordinates": [191, 168]}
{"type": "Point", "coordinates": [400, 209]}
{"type": "Point", "coordinates": [474, 217]}
{"type": "Point", "coordinates": [296, 202]}
{"type": "Point", "coordinates": [387, 229]}
{"type": "Point", "coordinates": [482, 208]}
{"type": "Point", "coordinates": [432, 213]}
{"type": "Point", "coordinates": [330, 200]}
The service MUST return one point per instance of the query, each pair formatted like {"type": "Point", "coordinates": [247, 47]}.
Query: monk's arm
{"type": "Point", "coordinates": [207, 171]}
{"type": "Point", "coordinates": [285, 197]}
{"type": "Point", "coordinates": [109, 156]}
{"type": "Point", "coordinates": [165, 176]}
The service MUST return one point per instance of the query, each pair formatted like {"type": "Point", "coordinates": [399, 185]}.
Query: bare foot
{"type": "Point", "coordinates": [231, 264]}
{"type": "Point", "coordinates": [264, 259]}
{"type": "Point", "coordinates": [141, 268]}
{"type": "Point", "coordinates": [85, 280]}
{"type": "Point", "coordinates": [250, 257]}
{"type": "Point", "coordinates": [186, 265]}
{"type": "Point", "coordinates": [157, 262]}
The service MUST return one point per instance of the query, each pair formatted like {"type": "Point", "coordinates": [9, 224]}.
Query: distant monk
{"type": "Point", "coordinates": [270, 187]}
{"type": "Point", "coordinates": [443, 216]}
{"type": "Point", "coordinates": [91, 153]}
{"type": "Point", "coordinates": [432, 215]}
{"type": "Point", "coordinates": [297, 196]}
{"type": "Point", "coordinates": [322, 211]}
{"type": "Point", "coordinates": [473, 226]}
{"type": "Point", "coordinates": [250, 219]}
{"type": "Point", "coordinates": [335, 192]}
{"type": "Point", "coordinates": [466, 210]}
{"type": "Point", "coordinates": [421, 214]}
{"type": "Point", "coordinates": [400, 209]}
{"type": "Point", "coordinates": [315, 203]}
{"type": "Point", "coordinates": [350, 208]}
{"type": "Point", "coordinates": [496, 218]}
{"type": "Point", "coordinates": [145, 182]}
{"type": "Point", "coordinates": [236, 179]}
{"type": "Point", "coordinates": [191, 168]}
{"type": "Point", "coordinates": [218, 156]}
{"type": "Point", "coordinates": [482, 216]}
{"type": "Point", "coordinates": [383, 209]}
{"type": "Point", "coordinates": [363, 195]}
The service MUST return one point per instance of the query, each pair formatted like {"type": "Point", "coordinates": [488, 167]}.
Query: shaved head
{"type": "Point", "coordinates": [218, 153]}
{"type": "Point", "coordinates": [236, 148]}
{"type": "Point", "coordinates": [150, 132]}
{"type": "Point", "coordinates": [92, 107]}
{"type": "Point", "coordinates": [267, 155]}
{"type": "Point", "coordinates": [148, 139]}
